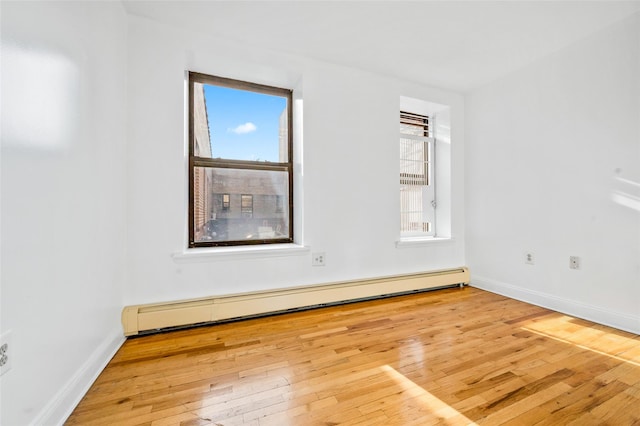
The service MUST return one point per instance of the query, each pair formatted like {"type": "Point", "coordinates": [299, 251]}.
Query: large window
{"type": "Point", "coordinates": [417, 193]}
{"type": "Point", "coordinates": [240, 163]}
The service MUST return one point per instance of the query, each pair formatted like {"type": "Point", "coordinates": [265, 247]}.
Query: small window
{"type": "Point", "coordinates": [240, 160]}
{"type": "Point", "coordinates": [417, 194]}
{"type": "Point", "coordinates": [246, 205]}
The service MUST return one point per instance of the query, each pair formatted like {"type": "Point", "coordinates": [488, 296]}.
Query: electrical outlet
{"type": "Point", "coordinates": [529, 258]}
{"type": "Point", "coordinates": [574, 262]}
{"type": "Point", "coordinates": [318, 259]}
{"type": "Point", "coordinates": [6, 355]}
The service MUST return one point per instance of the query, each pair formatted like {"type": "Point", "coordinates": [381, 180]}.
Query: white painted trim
{"type": "Point", "coordinates": [240, 252]}
{"type": "Point", "coordinates": [596, 314]}
{"type": "Point", "coordinates": [60, 407]}
{"type": "Point", "coordinates": [421, 241]}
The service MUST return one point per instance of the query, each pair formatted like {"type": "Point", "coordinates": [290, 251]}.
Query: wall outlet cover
{"type": "Point", "coordinates": [574, 262]}
{"type": "Point", "coordinates": [318, 259]}
{"type": "Point", "coordinates": [6, 352]}
{"type": "Point", "coordinates": [529, 258]}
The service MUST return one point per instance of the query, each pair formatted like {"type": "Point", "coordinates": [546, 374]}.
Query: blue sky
{"type": "Point", "coordinates": [243, 125]}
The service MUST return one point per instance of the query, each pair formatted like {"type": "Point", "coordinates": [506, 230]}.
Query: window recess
{"type": "Point", "coordinates": [417, 163]}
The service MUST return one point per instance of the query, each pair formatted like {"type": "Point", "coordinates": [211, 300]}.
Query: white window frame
{"type": "Point", "coordinates": [205, 162]}
{"type": "Point", "coordinates": [417, 211]}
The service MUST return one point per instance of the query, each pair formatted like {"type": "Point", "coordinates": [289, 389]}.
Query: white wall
{"type": "Point", "coordinates": [349, 170]}
{"type": "Point", "coordinates": [63, 212]}
{"type": "Point", "coordinates": [546, 150]}
{"type": "Point", "coordinates": [553, 149]}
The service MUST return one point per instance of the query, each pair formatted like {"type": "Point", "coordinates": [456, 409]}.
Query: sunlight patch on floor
{"type": "Point", "coordinates": [435, 406]}
{"type": "Point", "coordinates": [566, 330]}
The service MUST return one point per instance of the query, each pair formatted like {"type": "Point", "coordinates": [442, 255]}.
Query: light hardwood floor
{"type": "Point", "coordinates": [454, 357]}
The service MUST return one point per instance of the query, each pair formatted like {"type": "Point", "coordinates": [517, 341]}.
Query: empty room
{"type": "Point", "coordinates": [320, 212]}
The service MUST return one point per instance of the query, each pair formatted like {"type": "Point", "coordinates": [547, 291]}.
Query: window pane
{"type": "Point", "coordinates": [414, 124]}
{"type": "Point", "coordinates": [252, 212]}
{"type": "Point", "coordinates": [414, 162]}
{"type": "Point", "coordinates": [412, 130]}
{"type": "Point", "coordinates": [234, 124]}
{"type": "Point", "coordinates": [413, 205]}
{"type": "Point", "coordinates": [246, 205]}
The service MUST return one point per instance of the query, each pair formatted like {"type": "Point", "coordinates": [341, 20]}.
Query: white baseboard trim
{"type": "Point", "coordinates": [625, 322]}
{"type": "Point", "coordinates": [65, 401]}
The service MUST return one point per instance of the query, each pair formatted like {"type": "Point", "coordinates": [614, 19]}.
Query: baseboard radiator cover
{"type": "Point", "coordinates": [151, 318]}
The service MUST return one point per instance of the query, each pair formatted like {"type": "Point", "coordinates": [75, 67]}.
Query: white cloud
{"type": "Point", "coordinates": [244, 128]}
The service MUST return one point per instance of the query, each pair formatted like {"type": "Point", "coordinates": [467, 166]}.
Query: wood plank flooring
{"type": "Point", "coordinates": [454, 357]}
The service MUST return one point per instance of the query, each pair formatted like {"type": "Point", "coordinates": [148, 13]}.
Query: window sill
{"type": "Point", "coordinates": [239, 252]}
{"type": "Point", "coordinates": [421, 241]}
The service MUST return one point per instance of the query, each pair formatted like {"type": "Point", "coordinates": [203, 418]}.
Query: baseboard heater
{"type": "Point", "coordinates": [150, 318]}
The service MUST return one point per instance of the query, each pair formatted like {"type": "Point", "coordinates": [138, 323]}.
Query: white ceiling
{"type": "Point", "coordinates": [458, 45]}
